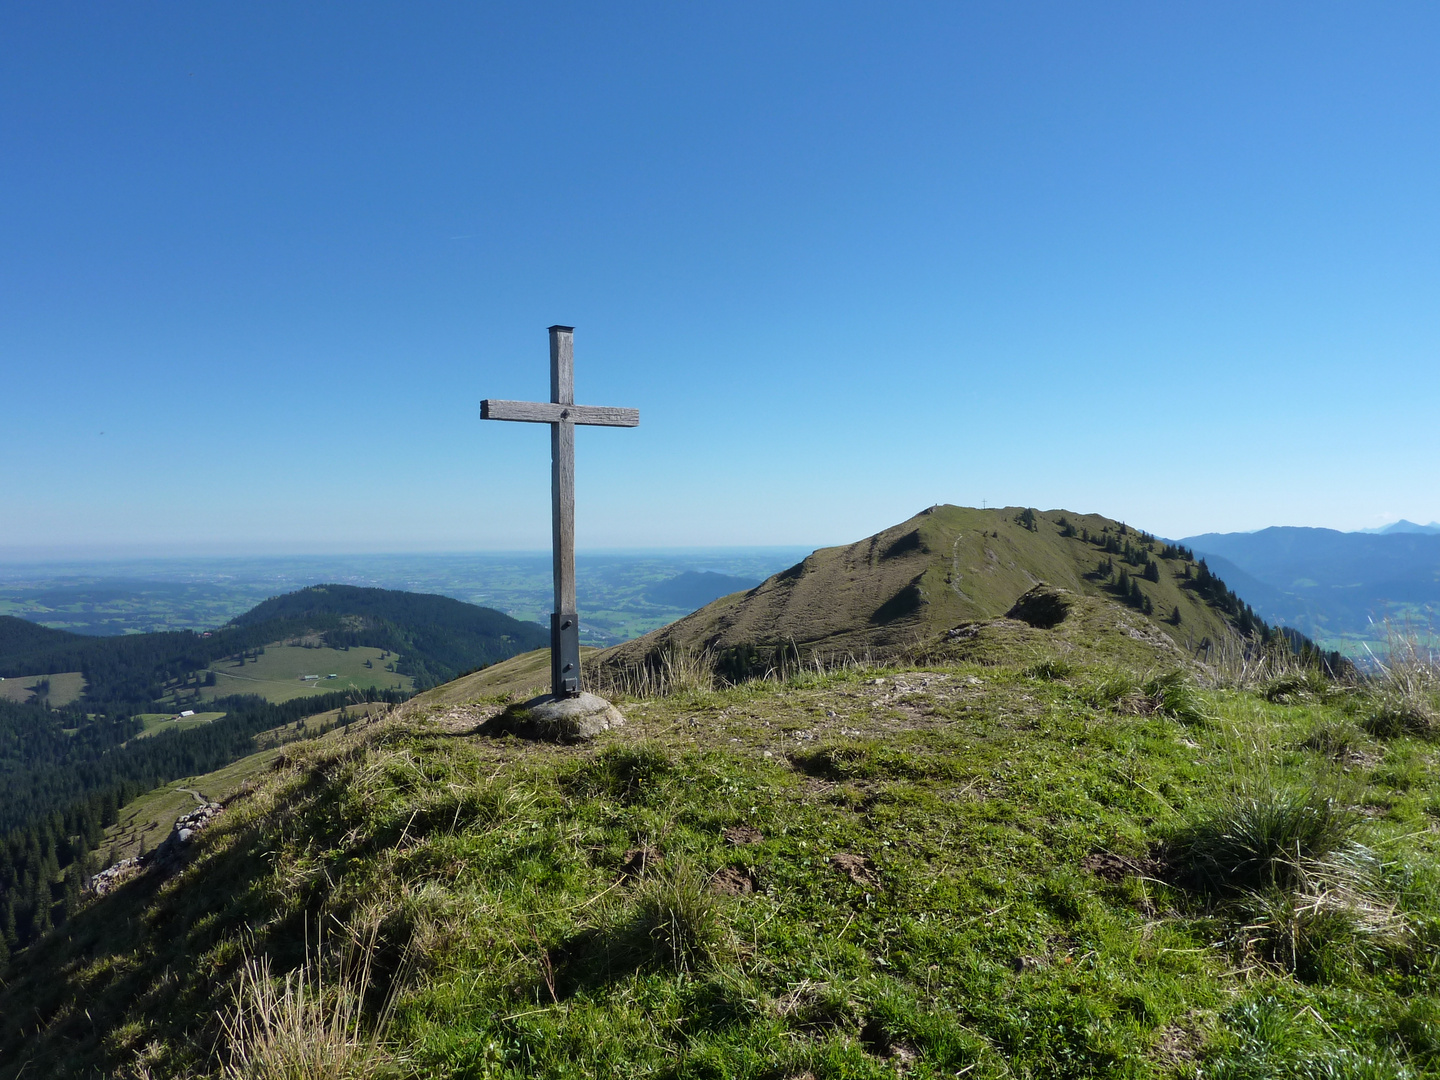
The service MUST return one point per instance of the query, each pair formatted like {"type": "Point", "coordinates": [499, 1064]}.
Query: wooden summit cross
{"type": "Point", "coordinates": [562, 414]}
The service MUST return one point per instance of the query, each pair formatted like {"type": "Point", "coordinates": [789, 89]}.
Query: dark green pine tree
{"type": "Point", "coordinates": [1152, 570]}
{"type": "Point", "coordinates": [1148, 608]}
{"type": "Point", "coordinates": [1122, 584]}
{"type": "Point", "coordinates": [1135, 597]}
{"type": "Point", "coordinates": [74, 885]}
{"type": "Point", "coordinates": [40, 921]}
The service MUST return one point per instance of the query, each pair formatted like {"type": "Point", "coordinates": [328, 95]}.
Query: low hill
{"type": "Point", "coordinates": [696, 588]}
{"type": "Point", "coordinates": [945, 566]}
{"type": "Point", "coordinates": [19, 638]}
{"type": "Point", "coordinates": [438, 637]}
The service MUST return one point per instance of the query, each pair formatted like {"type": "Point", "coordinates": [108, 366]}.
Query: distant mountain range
{"type": "Point", "coordinates": [1336, 587]}
{"type": "Point", "coordinates": [1403, 526]}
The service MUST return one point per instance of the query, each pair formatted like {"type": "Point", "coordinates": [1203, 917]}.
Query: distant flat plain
{"type": "Point", "coordinates": [140, 596]}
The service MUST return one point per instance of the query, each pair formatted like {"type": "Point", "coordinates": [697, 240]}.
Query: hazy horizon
{"type": "Point", "coordinates": [63, 555]}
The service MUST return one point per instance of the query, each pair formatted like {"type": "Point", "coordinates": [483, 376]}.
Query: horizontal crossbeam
{"type": "Point", "coordinates": [548, 412]}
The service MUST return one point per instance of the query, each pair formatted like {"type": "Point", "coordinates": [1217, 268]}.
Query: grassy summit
{"type": "Point", "coordinates": [900, 592]}
{"type": "Point", "coordinates": [944, 566]}
{"type": "Point", "coordinates": [963, 823]}
{"type": "Point", "coordinates": [1027, 853]}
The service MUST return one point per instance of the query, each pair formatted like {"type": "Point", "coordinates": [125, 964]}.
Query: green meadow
{"type": "Point", "coordinates": [1043, 865]}
{"type": "Point", "coordinates": [64, 687]}
{"type": "Point", "coordinates": [278, 674]}
{"type": "Point", "coordinates": [155, 723]}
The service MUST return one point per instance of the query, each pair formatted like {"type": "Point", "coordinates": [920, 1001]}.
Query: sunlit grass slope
{"type": "Point", "coordinates": [156, 723]}
{"type": "Point", "coordinates": [1030, 862]}
{"type": "Point", "coordinates": [278, 673]}
{"type": "Point", "coordinates": [143, 823]}
{"type": "Point", "coordinates": [520, 677]}
{"type": "Point", "coordinates": [63, 688]}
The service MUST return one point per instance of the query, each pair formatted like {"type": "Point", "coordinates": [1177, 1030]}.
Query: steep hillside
{"type": "Point", "coordinates": [945, 566]}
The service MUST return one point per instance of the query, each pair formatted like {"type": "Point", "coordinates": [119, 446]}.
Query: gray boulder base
{"type": "Point", "coordinates": [566, 719]}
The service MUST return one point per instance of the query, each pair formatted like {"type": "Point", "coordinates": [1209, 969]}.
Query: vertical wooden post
{"type": "Point", "coordinates": [564, 623]}
{"type": "Point", "coordinates": [562, 414]}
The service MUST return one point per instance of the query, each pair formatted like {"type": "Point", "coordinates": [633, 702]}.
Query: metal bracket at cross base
{"type": "Point", "coordinates": [565, 654]}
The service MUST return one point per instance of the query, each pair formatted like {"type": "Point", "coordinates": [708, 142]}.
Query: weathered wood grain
{"type": "Point", "coordinates": [562, 365]}
{"type": "Point", "coordinates": [548, 412]}
{"type": "Point", "coordinates": [562, 505]}
{"type": "Point", "coordinates": [562, 414]}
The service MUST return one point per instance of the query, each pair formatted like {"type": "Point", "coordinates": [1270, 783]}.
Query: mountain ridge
{"type": "Point", "coordinates": [944, 566]}
{"type": "Point", "coordinates": [1332, 585]}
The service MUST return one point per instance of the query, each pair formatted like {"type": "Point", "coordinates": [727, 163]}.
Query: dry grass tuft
{"type": "Point", "coordinates": [311, 1024]}
{"type": "Point", "coordinates": [675, 669]}
{"type": "Point", "coordinates": [1403, 689]}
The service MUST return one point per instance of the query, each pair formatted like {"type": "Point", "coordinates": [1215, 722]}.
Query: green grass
{"type": "Point", "coordinates": [169, 721]}
{"type": "Point", "coordinates": [958, 869]}
{"type": "Point", "coordinates": [276, 675]}
{"type": "Point", "coordinates": [945, 566]}
{"type": "Point", "coordinates": [65, 687]}
{"type": "Point", "coordinates": [144, 822]}
{"type": "Point", "coordinates": [519, 678]}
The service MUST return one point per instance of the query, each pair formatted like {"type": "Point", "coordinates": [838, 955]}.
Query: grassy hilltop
{"type": "Point", "coordinates": [1035, 866]}
{"type": "Point", "coordinates": [944, 566]}
{"type": "Point", "coordinates": [899, 590]}
{"type": "Point", "coordinates": [1055, 845]}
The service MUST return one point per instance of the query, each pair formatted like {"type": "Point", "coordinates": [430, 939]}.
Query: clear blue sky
{"type": "Point", "coordinates": [1174, 263]}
